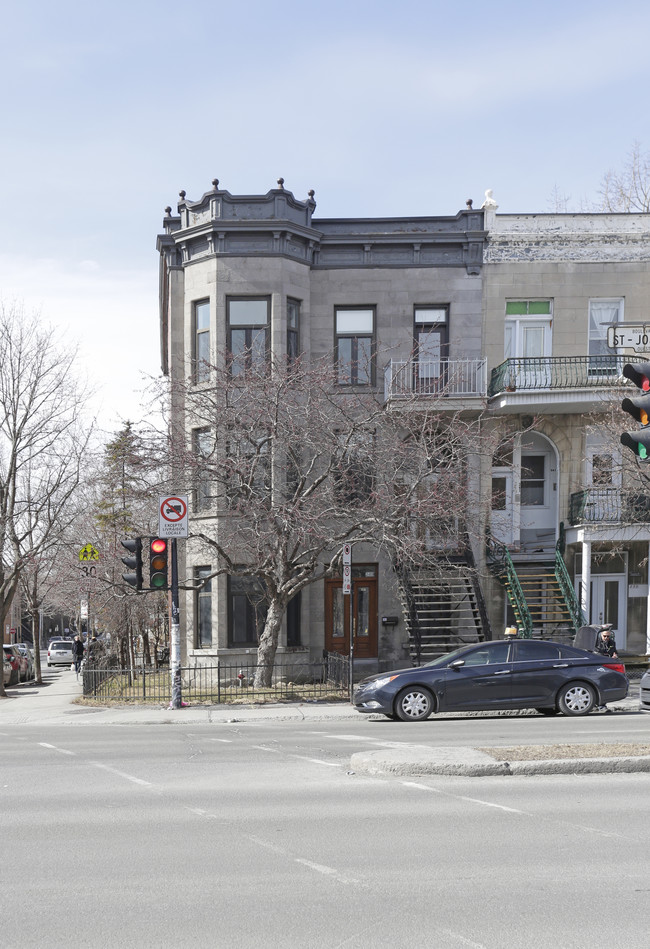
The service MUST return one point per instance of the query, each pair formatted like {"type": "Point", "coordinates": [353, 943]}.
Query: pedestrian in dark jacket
{"type": "Point", "coordinates": [605, 643]}
{"type": "Point", "coordinates": [77, 653]}
{"type": "Point", "coordinates": [606, 646]}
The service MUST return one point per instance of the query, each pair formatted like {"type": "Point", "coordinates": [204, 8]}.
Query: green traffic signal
{"type": "Point", "coordinates": [639, 442]}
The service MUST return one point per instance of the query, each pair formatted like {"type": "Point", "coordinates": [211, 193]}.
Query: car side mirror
{"type": "Point", "coordinates": [457, 663]}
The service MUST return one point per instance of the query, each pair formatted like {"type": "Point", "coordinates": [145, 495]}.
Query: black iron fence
{"type": "Point", "coordinates": [557, 372]}
{"type": "Point", "coordinates": [608, 505]}
{"type": "Point", "coordinates": [324, 679]}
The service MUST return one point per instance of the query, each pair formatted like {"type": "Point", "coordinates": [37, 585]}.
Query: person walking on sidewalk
{"type": "Point", "coordinates": [605, 643]}
{"type": "Point", "coordinates": [77, 653]}
{"type": "Point", "coordinates": [606, 646]}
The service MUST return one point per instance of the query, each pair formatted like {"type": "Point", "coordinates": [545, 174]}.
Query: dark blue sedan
{"type": "Point", "coordinates": [523, 673]}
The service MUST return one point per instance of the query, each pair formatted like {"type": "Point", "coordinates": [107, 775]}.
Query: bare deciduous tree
{"type": "Point", "coordinates": [291, 466]}
{"type": "Point", "coordinates": [628, 189]}
{"type": "Point", "coordinates": [42, 445]}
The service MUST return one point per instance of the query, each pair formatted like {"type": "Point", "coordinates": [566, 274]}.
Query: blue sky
{"type": "Point", "coordinates": [110, 109]}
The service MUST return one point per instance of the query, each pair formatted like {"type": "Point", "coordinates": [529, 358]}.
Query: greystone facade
{"type": "Point", "coordinates": [475, 265]}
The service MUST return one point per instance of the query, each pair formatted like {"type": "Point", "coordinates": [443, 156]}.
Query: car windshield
{"type": "Point", "coordinates": [61, 645]}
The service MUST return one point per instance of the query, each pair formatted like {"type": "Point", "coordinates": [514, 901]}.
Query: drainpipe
{"type": "Point", "coordinates": [585, 591]}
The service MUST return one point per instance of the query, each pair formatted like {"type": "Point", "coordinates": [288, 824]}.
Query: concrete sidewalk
{"type": "Point", "coordinates": [53, 703]}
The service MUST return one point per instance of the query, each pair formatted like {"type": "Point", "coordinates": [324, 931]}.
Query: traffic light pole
{"type": "Point", "coordinates": [175, 652]}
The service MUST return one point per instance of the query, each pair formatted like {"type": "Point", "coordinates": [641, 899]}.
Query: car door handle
{"type": "Point", "coordinates": [561, 665]}
{"type": "Point", "coordinates": [506, 672]}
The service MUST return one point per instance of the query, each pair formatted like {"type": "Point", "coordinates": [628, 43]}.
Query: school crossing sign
{"type": "Point", "coordinates": [172, 516]}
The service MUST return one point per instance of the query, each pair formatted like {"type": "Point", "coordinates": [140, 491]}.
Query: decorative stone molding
{"type": "Point", "coordinates": [587, 238]}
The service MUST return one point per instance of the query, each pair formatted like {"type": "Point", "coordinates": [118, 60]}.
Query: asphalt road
{"type": "Point", "coordinates": [256, 834]}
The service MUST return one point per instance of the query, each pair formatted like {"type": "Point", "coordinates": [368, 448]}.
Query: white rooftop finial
{"type": "Point", "coordinates": [489, 201]}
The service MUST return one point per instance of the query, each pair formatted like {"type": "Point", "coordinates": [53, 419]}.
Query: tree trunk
{"type": "Point", "coordinates": [37, 647]}
{"type": "Point", "coordinates": [268, 645]}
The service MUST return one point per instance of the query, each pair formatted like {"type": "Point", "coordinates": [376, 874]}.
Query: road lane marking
{"type": "Point", "coordinates": [463, 939]}
{"type": "Point", "coordinates": [421, 787]}
{"type": "Point", "coordinates": [499, 807]}
{"type": "Point", "coordinates": [226, 741]}
{"type": "Point", "coordinates": [62, 751]}
{"type": "Point", "coordinates": [328, 764]}
{"type": "Point", "coordinates": [121, 774]}
{"type": "Point", "coordinates": [274, 751]}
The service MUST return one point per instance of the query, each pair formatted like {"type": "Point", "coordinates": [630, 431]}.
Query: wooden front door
{"type": "Point", "coordinates": [360, 606]}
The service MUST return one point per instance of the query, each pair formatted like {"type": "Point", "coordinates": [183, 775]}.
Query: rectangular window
{"type": "Point", "coordinates": [201, 449]}
{"type": "Point", "coordinates": [430, 345]}
{"type": "Point", "coordinates": [533, 480]}
{"type": "Point", "coordinates": [354, 479]}
{"type": "Point", "coordinates": [201, 354]}
{"type": "Point", "coordinates": [248, 336]}
{"type": "Point", "coordinates": [527, 329]}
{"type": "Point", "coordinates": [247, 610]}
{"type": "Point", "coordinates": [354, 344]}
{"type": "Point", "coordinates": [293, 620]}
{"type": "Point", "coordinates": [293, 330]}
{"type": "Point", "coordinates": [203, 608]}
{"type": "Point", "coordinates": [602, 313]}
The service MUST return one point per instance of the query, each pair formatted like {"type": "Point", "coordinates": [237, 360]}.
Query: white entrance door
{"type": "Point", "coordinates": [502, 523]}
{"type": "Point", "coordinates": [607, 603]}
{"type": "Point", "coordinates": [538, 497]}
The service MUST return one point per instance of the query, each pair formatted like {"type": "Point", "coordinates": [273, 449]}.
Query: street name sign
{"type": "Point", "coordinates": [634, 336]}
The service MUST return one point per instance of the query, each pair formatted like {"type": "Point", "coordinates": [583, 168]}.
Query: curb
{"type": "Point", "coordinates": [469, 762]}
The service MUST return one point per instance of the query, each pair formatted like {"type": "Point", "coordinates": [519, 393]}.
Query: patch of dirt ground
{"type": "Point", "coordinates": [550, 752]}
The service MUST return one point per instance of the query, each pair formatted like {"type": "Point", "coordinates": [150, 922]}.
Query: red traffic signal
{"type": "Point", "coordinates": [638, 373]}
{"type": "Point", "coordinates": [158, 563]}
{"type": "Point", "coordinates": [639, 409]}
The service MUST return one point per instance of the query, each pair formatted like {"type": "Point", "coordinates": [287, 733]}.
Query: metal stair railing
{"type": "Point", "coordinates": [478, 593]}
{"type": "Point", "coordinates": [568, 591]}
{"type": "Point", "coordinates": [408, 603]}
{"type": "Point", "coordinates": [513, 587]}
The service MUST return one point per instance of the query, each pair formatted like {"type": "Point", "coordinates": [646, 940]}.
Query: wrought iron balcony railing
{"type": "Point", "coordinates": [608, 506]}
{"type": "Point", "coordinates": [450, 378]}
{"type": "Point", "coordinates": [557, 372]}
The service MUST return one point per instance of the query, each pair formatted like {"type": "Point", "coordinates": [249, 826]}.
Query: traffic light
{"type": "Point", "coordinates": [639, 409]}
{"type": "Point", "coordinates": [134, 563]}
{"type": "Point", "coordinates": [158, 563]}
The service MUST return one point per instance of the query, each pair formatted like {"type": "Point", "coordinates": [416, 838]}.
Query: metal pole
{"type": "Point", "coordinates": [175, 657]}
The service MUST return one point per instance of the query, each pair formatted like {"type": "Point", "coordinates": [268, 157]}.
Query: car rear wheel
{"type": "Point", "coordinates": [578, 698]}
{"type": "Point", "coordinates": [414, 705]}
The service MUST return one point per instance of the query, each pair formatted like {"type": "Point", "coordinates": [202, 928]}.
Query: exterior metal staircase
{"type": "Point", "coordinates": [541, 595]}
{"type": "Point", "coordinates": [443, 606]}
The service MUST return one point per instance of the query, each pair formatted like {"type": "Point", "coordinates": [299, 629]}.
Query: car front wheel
{"type": "Point", "coordinates": [414, 705]}
{"type": "Point", "coordinates": [576, 699]}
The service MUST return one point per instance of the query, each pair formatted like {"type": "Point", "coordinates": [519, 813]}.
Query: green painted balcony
{"type": "Point", "coordinates": [556, 383]}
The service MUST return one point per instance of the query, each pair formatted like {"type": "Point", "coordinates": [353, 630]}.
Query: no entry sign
{"type": "Point", "coordinates": [172, 519]}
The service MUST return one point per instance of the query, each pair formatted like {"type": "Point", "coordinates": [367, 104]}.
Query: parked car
{"type": "Point", "coordinates": [18, 663]}
{"type": "Point", "coordinates": [644, 692]}
{"type": "Point", "coordinates": [59, 652]}
{"type": "Point", "coordinates": [26, 652]}
{"type": "Point", "coordinates": [7, 669]}
{"type": "Point", "coordinates": [524, 673]}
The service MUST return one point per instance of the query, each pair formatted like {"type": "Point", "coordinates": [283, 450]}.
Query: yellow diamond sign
{"type": "Point", "coordinates": [88, 553]}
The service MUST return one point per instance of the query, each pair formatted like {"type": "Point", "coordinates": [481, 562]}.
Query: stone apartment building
{"type": "Point", "coordinates": [506, 315]}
